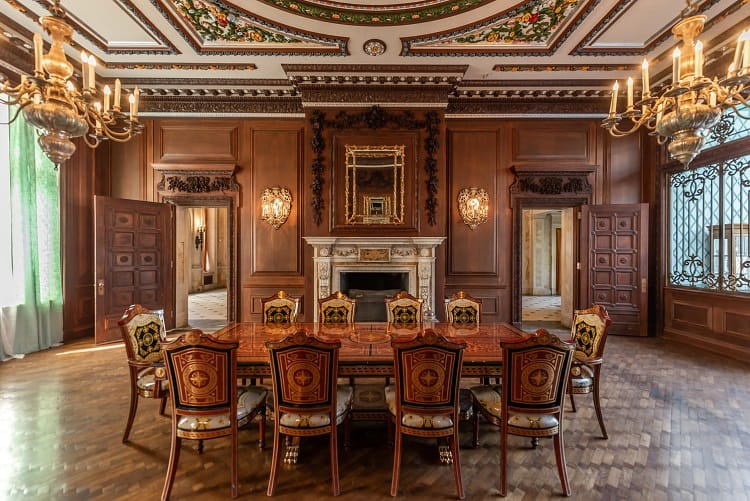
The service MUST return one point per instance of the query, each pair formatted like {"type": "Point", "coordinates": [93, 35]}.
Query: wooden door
{"type": "Point", "coordinates": [134, 256]}
{"type": "Point", "coordinates": [614, 264]}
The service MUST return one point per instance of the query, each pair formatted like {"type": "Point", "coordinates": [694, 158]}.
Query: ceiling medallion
{"type": "Point", "coordinates": [374, 47]}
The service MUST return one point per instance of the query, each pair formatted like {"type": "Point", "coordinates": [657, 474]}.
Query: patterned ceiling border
{"type": "Point", "coordinates": [203, 22]}
{"type": "Point", "coordinates": [134, 12]}
{"type": "Point", "coordinates": [584, 47]}
{"type": "Point", "coordinates": [134, 65]}
{"type": "Point", "coordinates": [377, 15]}
{"type": "Point", "coordinates": [541, 24]}
{"type": "Point", "coordinates": [219, 105]}
{"type": "Point", "coordinates": [513, 68]}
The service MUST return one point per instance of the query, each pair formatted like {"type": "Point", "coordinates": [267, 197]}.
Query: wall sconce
{"type": "Point", "coordinates": [275, 206]}
{"type": "Point", "coordinates": [473, 205]}
{"type": "Point", "coordinates": [200, 233]}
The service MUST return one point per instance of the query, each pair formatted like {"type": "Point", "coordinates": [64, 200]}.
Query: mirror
{"type": "Point", "coordinates": [374, 184]}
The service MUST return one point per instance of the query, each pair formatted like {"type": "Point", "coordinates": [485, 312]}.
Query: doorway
{"type": "Point", "coordinates": [547, 268]}
{"type": "Point", "coordinates": [203, 262]}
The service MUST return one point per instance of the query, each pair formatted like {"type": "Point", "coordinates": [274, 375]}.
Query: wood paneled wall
{"type": "Point", "coordinates": [277, 152]}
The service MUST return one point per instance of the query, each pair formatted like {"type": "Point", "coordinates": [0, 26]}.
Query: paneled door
{"type": "Point", "coordinates": [134, 256]}
{"type": "Point", "coordinates": [614, 264]}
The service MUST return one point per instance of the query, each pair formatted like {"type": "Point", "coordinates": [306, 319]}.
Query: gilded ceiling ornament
{"type": "Point", "coordinates": [374, 47]}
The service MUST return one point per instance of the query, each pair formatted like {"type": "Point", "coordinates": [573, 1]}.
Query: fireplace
{"type": "Point", "coordinates": [370, 290]}
{"type": "Point", "coordinates": [338, 261]}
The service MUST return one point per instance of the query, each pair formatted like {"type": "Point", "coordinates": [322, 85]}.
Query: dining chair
{"type": "Point", "coordinates": [462, 309]}
{"type": "Point", "coordinates": [530, 402]}
{"type": "Point", "coordinates": [307, 400]}
{"type": "Point", "coordinates": [423, 401]}
{"type": "Point", "coordinates": [206, 402]}
{"type": "Point", "coordinates": [589, 333]}
{"type": "Point", "coordinates": [337, 308]}
{"type": "Point", "coordinates": [280, 309]}
{"type": "Point", "coordinates": [142, 330]}
{"type": "Point", "coordinates": [403, 308]}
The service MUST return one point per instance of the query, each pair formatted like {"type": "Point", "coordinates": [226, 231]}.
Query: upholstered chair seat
{"type": "Point", "coordinates": [147, 383]}
{"type": "Point", "coordinates": [249, 398]}
{"type": "Point", "coordinates": [416, 420]}
{"type": "Point", "coordinates": [490, 399]}
{"type": "Point", "coordinates": [581, 379]}
{"type": "Point", "coordinates": [343, 402]}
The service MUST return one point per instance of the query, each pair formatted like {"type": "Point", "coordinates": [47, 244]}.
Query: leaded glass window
{"type": "Point", "coordinates": [709, 222]}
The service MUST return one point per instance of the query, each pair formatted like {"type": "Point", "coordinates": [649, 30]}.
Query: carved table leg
{"type": "Point", "coordinates": [292, 451]}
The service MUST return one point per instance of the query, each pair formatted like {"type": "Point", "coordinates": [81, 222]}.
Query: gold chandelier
{"type": "Point", "coordinates": [52, 104]}
{"type": "Point", "coordinates": [685, 110]}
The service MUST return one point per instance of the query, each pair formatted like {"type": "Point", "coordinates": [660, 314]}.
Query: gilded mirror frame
{"type": "Point", "coordinates": [374, 186]}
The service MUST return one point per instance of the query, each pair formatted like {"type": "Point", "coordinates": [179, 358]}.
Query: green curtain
{"type": "Point", "coordinates": [35, 323]}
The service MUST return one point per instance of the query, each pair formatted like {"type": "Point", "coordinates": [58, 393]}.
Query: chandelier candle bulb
{"type": "Point", "coordinates": [613, 103]}
{"type": "Point", "coordinates": [136, 102]}
{"type": "Point", "coordinates": [737, 61]}
{"type": "Point", "coordinates": [630, 93]}
{"type": "Point", "coordinates": [38, 51]}
{"type": "Point", "coordinates": [698, 59]}
{"type": "Point", "coordinates": [92, 74]}
{"type": "Point", "coordinates": [644, 76]}
{"type": "Point", "coordinates": [712, 99]}
{"type": "Point", "coordinates": [107, 93]}
{"type": "Point", "coordinates": [118, 90]}
{"type": "Point", "coordinates": [676, 66]}
{"type": "Point", "coordinates": [84, 71]}
{"type": "Point", "coordinates": [745, 52]}
{"type": "Point", "coordinates": [131, 107]}
{"type": "Point", "coordinates": [731, 71]}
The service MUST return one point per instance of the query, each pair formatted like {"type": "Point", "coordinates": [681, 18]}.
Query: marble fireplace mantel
{"type": "Point", "coordinates": [413, 255]}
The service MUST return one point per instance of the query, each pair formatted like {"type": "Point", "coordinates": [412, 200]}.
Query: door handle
{"type": "Point", "coordinates": [100, 287]}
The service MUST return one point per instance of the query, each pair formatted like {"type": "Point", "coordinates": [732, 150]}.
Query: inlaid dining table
{"type": "Point", "coordinates": [366, 346]}
{"type": "Point", "coordinates": [366, 350]}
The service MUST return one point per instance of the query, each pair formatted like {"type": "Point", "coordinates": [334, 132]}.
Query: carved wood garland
{"type": "Point", "coordinates": [376, 118]}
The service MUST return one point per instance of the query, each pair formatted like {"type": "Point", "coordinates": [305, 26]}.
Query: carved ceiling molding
{"type": "Point", "coordinates": [207, 105]}
{"type": "Point", "coordinates": [527, 106]}
{"type": "Point", "coordinates": [433, 96]}
{"type": "Point", "coordinates": [376, 118]}
{"type": "Point", "coordinates": [377, 15]}
{"type": "Point", "coordinates": [240, 32]}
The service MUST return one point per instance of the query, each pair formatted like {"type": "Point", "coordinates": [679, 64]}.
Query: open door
{"type": "Point", "coordinates": [134, 256]}
{"type": "Point", "coordinates": [614, 264]}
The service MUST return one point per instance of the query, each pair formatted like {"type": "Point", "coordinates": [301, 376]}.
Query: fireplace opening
{"type": "Point", "coordinates": [370, 290]}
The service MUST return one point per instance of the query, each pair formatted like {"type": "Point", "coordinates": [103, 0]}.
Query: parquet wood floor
{"type": "Point", "coordinates": [678, 421]}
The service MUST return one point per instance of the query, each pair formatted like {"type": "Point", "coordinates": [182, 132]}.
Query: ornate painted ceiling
{"type": "Point", "coordinates": [301, 49]}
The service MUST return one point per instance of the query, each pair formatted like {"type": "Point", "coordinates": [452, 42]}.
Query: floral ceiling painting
{"type": "Point", "coordinates": [534, 24]}
{"type": "Point", "coordinates": [216, 23]}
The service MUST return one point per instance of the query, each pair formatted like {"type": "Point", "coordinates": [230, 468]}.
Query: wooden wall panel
{"type": "Point", "coordinates": [275, 162]}
{"type": "Point", "coordinates": [716, 322]}
{"type": "Point", "coordinates": [539, 141]}
{"type": "Point", "coordinates": [196, 141]}
{"type": "Point", "coordinates": [624, 170]}
{"type": "Point", "coordinates": [473, 160]}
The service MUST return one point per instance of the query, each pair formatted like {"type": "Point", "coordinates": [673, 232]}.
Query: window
{"type": "Point", "coordinates": [709, 215]}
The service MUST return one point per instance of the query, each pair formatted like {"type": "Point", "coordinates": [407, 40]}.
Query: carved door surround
{"type": "Point", "coordinates": [548, 187]}
{"type": "Point", "coordinates": [206, 185]}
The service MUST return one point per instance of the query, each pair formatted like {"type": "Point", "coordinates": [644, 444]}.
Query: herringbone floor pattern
{"type": "Point", "coordinates": [677, 420]}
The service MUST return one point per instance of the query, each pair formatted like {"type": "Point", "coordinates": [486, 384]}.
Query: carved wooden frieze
{"type": "Point", "coordinates": [196, 179]}
{"type": "Point", "coordinates": [375, 118]}
{"type": "Point", "coordinates": [548, 183]}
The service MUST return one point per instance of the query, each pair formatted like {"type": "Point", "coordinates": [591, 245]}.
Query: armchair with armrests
{"type": "Point", "coordinates": [206, 402]}
{"type": "Point", "coordinates": [530, 401]}
{"type": "Point", "coordinates": [589, 333]}
{"type": "Point", "coordinates": [280, 309]}
{"type": "Point", "coordinates": [142, 330]}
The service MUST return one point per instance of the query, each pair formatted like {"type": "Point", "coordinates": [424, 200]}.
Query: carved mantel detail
{"type": "Point", "coordinates": [412, 255]}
